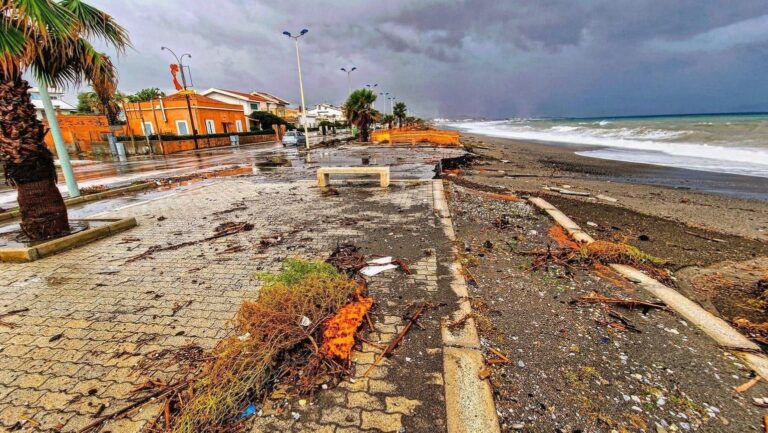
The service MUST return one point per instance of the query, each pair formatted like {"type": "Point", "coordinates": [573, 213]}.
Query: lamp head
{"type": "Point", "coordinates": [287, 34]}
{"type": "Point", "coordinates": [304, 32]}
{"type": "Point", "coordinates": [353, 68]}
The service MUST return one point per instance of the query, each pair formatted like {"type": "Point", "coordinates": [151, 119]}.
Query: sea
{"type": "Point", "coordinates": [725, 143]}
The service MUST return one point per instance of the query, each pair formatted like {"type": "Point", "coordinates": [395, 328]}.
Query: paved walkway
{"type": "Point", "coordinates": [92, 316]}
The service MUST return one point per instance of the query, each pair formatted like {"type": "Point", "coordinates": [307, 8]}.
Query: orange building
{"type": "Point", "coordinates": [79, 131]}
{"type": "Point", "coordinates": [170, 115]}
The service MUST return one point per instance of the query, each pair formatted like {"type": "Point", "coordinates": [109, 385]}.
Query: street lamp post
{"type": "Point", "coordinates": [349, 79]}
{"type": "Point", "coordinates": [58, 141]}
{"type": "Point", "coordinates": [372, 87]}
{"type": "Point", "coordinates": [180, 62]}
{"type": "Point", "coordinates": [301, 82]}
{"type": "Point", "coordinates": [386, 97]}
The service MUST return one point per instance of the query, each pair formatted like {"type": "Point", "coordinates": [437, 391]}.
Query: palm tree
{"type": "Point", "coordinates": [90, 102]}
{"type": "Point", "coordinates": [360, 112]}
{"type": "Point", "coordinates": [400, 111]}
{"type": "Point", "coordinates": [388, 119]}
{"type": "Point", "coordinates": [48, 38]}
{"type": "Point", "coordinates": [147, 94]}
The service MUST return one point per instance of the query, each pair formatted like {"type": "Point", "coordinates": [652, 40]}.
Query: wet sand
{"type": "Point", "coordinates": [724, 203]}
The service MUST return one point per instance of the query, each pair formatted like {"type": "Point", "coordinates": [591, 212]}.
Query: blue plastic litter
{"type": "Point", "coordinates": [249, 411]}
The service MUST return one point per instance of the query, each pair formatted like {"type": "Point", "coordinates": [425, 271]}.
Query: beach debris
{"type": "Point", "coordinates": [190, 355]}
{"type": "Point", "coordinates": [278, 348]}
{"type": "Point", "coordinates": [595, 298]}
{"type": "Point", "coordinates": [484, 373]}
{"type": "Point", "coordinates": [755, 331]}
{"type": "Point", "coordinates": [177, 307]}
{"type": "Point", "coordinates": [403, 265]}
{"type": "Point", "coordinates": [744, 387]}
{"type": "Point", "coordinates": [706, 238]}
{"type": "Point", "coordinates": [592, 224]}
{"type": "Point", "coordinates": [606, 198]}
{"type": "Point", "coordinates": [93, 189]}
{"type": "Point", "coordinates": [377, 266]}
{"type": "Point", "coordinates": [570, 253]}
{"type": "Point", "coordinates": [370, 271]}
{"type": "Point", "coordinates": [565, 190]}
{"type": "Point", "coordinates": [222, 230]}
{"type": "Point", "coordinates": [760, 401]}
{"type": "Point", "coordinates": [11, 313]}
{"type": "Point", "coordinates": [502, 359]}
{"type": "Point", "coordinates": [503, 222]}
{"type": "Point", "coordinates": [347, 258]}
{"type": "Point", "coordinates": [109, 270]}
{"type": "Point", "coordinates": [620, 323]}
{"type": "Point", "coordinates": [765, 423]}
{"type": "Point", "coordinates": [380, 261]}
{"type": "Point", "coordinates": [396, 341]}
{"type": "Point", "coordinates": [340, 330]}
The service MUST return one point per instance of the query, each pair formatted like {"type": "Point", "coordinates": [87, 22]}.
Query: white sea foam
{"type": "Point", "coordinates": [652, 142]}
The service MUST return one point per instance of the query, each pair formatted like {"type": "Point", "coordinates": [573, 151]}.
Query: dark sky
{"type": "Point", "coordinates": [493, 58]}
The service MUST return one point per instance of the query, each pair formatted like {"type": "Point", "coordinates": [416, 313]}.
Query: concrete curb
{"type": "Point", "coordinates": [54, 246]}
{"type": "Point", "coordinates": [468, 400]}
{"type": "Point", "coordinates": [715, 327]}
{"type": "Point", "coordinates": [15, 212]}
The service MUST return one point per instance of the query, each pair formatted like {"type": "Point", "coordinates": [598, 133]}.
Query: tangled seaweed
{"type": "Point", "coordinates": [570, 254]}
{"type": "Point", "coordinates": [277, 338]}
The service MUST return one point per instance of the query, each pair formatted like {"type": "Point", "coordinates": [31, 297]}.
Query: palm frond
{"type": "Point", "coordinates": [94, 23]}
{"type": "Point", "coordinates": [39, 18]}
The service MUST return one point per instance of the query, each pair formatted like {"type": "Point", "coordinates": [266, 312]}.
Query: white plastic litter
{"type": "Point", "coordinates": [305, 321]}
{"type": "Point", "coordinates": [381, 261]}
{"type": "Point", "coordinates": [370, 271]}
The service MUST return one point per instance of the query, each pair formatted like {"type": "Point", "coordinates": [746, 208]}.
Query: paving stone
{"type": "Point", "coordinates": [340, 416]}
{"type": "Point", "coordinates": [382, 421]}
{"type": "Point", "coordinates": [364, 401]}
{"type": "Point", "coordinates": [102, 316]}
{"type": "Point", "coordinates": [401, 405]}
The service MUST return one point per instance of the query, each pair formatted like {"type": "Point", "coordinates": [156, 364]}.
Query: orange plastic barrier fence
{"type": "Point", "coordinates": [433, 136]}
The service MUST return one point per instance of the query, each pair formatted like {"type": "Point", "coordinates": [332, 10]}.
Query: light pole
{"type": "Point", "coordinates": [58, 140]}
{"type": "Point", "coordinates": [180, 62]}
{"type": "Point", "coordinates": [372, 88]}
{"type": "Point", "coordinates": [349, 79]}
{"type": "Point", "coordinates": [386, 96]}
{"type": "Point", "coordinates": [301, 82]}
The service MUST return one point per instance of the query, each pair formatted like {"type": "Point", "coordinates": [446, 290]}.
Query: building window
{"type": "Point", "coordinates": [147, 128]}
{"type": "Point", "coordinates": [210, 126]}
{"type": "Point", "coordinates": [255, 106]}
{"type": "Point", "coordinates": [239, 125]}
{"type": "Point", "coordinates": [181, 127]}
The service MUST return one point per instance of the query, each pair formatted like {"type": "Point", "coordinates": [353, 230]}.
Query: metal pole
{"type": "Point", "coordinates": [58, 140]}
{"type": "Point", "coordinates": [301, 90]}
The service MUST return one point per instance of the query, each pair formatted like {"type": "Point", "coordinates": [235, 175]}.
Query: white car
{"type": "Point", "coordinates": [294, 138]}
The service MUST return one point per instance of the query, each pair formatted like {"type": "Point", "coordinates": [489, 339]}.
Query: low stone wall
{"type": "Point", "coordinates": [139, 145]}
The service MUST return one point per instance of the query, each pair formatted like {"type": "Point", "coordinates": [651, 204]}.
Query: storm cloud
{"type": "Point", "coordinates": [466, 58]}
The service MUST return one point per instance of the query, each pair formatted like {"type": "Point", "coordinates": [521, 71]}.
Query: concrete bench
{"type": "Point", "coordinates": [324, 174]}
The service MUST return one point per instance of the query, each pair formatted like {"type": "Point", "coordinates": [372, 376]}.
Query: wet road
{"type": "Point", "coordinates": [118, 173]}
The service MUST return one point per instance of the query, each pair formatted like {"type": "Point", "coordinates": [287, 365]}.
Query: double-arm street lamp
{"type": "Point", "coordinates": [180, 62]}
{"type": "Point", "coordinates": [386, 97]}
{"type": "Point", "coordinates": [301, 82]}
{"type": "Point", "coordinates": [372, 88]}
{"type": "Point", "coordinates": [349, 79]}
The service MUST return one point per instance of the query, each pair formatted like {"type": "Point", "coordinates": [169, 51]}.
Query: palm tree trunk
{"type": "Point", "coordinates": [28, 164]}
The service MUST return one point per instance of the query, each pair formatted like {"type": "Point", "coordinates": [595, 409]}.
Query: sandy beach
{"type": "Point", "coordinates": [702, 224]}
{"type": "Point", "coordinates": [725, 203]}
